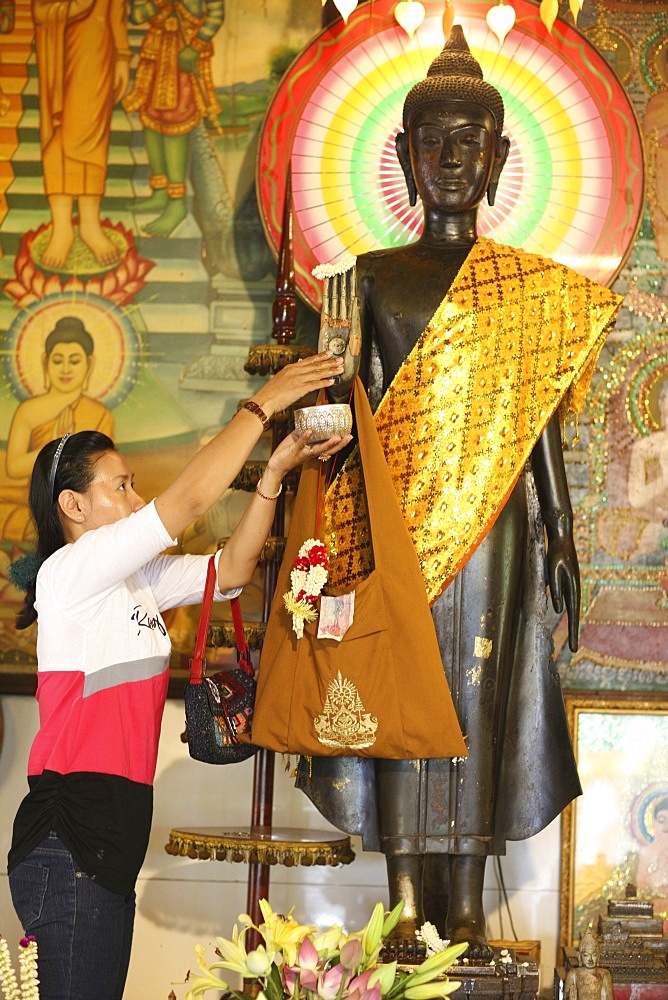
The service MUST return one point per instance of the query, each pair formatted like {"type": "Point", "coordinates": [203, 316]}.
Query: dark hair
{"type": "Point", "coordinates": [75, 471]}
{"type": "Point", "coordinates": [69, 330]}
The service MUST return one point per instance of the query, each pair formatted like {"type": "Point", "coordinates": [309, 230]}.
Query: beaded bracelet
{"type": "Point", "coordinates": [274, 496]}
{"type": "Point", "coordinates": [253, 407]}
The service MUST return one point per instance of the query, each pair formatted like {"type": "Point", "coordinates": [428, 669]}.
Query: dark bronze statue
{"type": "Point", "coordinates": [437, 821]}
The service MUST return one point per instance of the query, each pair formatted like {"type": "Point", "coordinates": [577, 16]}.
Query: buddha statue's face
{"type": "Point", "coordinates": [67, 367]}
{"type": "Point", "coordinates": [661, 818]}
{"type": "Point", "coordinates": [453, 155]}
{"type": "Point", "coordinates": [588, 954]}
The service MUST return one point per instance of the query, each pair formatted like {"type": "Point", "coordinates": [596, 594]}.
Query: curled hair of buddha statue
{"type": "Point", "coordinates": [455, 75]}
{"type": "Point", "coordinates": [69, 330]}
{"type": "Point", "coordinates": [589, 940]}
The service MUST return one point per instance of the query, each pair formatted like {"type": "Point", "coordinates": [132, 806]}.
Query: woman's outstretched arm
{"type": "Point", "coordinates": [210, 472]}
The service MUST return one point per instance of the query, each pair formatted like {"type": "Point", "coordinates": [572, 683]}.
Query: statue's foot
{"type": "Point", "coordinates": [58, 247]}
{"type": "Point", "coordinates": [166, 223]}
{"type": "Point", "coordinates": [156, 202]}
{"type": "Point", "coordinates": [407, 949]}
{"type": "Point", "coordinates": [478, 948]}
{"type": "Point", "coordinates": [99, 244]}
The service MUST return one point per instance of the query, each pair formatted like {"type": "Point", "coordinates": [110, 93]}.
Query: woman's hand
{"type": "Point", "coordinates": [295, 449]}
{"type": "Point", "coordinates": [297, 380]}
{"type": "Point", "coordinates": [242, 551]}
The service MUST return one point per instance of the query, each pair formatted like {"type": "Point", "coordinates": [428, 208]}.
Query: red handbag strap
{"type": "Point", "coordinates": [243, 652]}
{"type": "Point", "coordinates": [197, 661]}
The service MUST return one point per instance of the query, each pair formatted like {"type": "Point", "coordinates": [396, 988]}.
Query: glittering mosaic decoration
{"type": "Point", "coordinates": [623, 538]}
{"type": "Point", "coordinates": [575, 166]}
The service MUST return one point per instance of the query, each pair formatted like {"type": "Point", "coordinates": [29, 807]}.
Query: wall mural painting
{"type": "Point", "coordinates": [134, 270]}
{"type": "Point", "coordinates": [136, 273]}
{"type": "Point", "coordinates": [620, 473]}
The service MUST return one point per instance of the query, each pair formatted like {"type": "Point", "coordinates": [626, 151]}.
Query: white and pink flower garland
{"type": "Point", "coordinates": [29, 988]}
{"type": "Point", "coordinates": [307, 578]}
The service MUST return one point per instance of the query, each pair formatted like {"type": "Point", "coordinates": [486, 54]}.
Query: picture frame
{"type": "Point", "coordinates": [620, 742]}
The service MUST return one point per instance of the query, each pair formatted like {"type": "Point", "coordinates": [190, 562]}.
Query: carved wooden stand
{"type": "Point", "coordinates": [260, 846]}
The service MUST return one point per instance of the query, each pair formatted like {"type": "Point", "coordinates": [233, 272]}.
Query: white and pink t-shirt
{"type": "Point", "coordinates": [103, 659]}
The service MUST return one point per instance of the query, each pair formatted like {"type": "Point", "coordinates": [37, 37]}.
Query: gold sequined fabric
{"type": "Point", "coordinates": [516, 337]}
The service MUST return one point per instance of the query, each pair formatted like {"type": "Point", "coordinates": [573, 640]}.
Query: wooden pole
{"type": "Point", "coordinates": [284, 315]}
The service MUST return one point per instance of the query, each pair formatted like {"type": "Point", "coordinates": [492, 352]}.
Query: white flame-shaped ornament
{"type": "Point", "coordinates": [345, 8]}
{"type": "Point", "coordinates": [409, 15]}
{"type": "Point", "coordinates": [500, 20]}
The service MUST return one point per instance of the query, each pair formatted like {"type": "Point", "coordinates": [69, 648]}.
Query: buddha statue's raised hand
{"type": "Point", "coordinates": [340, 322]}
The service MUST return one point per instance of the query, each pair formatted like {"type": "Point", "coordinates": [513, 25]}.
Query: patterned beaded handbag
{"type": "Point", "coordinates": [220, 707]}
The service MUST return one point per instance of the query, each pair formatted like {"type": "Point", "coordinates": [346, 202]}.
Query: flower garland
{"type": "Point", "coordinates": [431, 939]}
{"type": "Point", "coordinates": [307, 578]}
{"type": "Point", "coordinates": [29, 989]}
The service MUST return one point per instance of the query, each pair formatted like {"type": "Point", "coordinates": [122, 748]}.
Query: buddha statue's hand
{"type": "Point", "coordinates": [65, 422]}
{"type": "Point", "coordinates": [340, 323]}
{"type": "Point", "coordinates": [563, 571]}
{"type": "Point", "coordinates": [563, 574]}
{"type": "Point", "coordinates": [121, 78]}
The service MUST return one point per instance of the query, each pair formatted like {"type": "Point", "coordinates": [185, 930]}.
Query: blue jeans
{"type": "Point", "coordinates": [83, 932]}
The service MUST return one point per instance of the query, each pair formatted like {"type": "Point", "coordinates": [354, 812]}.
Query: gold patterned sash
{"type": "Point", "coordinates": [516, 336]}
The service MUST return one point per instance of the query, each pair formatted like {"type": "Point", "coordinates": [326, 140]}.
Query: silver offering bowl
{"type": "Point", "coordinates": [325, 421]}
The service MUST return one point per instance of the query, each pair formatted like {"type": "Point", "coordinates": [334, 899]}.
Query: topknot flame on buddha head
{"type": "Point", "coordinates": [455, 75]}
{"type": "Point", "coordinates": [589, 943]}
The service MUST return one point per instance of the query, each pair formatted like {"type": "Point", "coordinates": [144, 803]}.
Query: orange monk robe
{"type": "Point", "coordinates": [88, 415]}
{"type": "Point", "coordinates": [77, 47]}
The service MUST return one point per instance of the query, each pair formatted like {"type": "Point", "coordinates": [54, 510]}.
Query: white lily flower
{"type": "Point", "coordinates": [258, 962]}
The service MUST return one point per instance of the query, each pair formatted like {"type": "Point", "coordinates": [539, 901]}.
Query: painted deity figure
{"type": "Point", "coordinates": [173, 91]}
{"type": "Point", "coordinates": [653, 860]}
{"type": "Point", "coordinates": [63, 407]}
{"type": "Point", "coordinates": [588, 981]}
{"type": "Point", "coordinates": [470, 350]}
{"type": "Point", "coordinates": [648, 470]}
{"type": "Point", "coordinates": [83, 61]}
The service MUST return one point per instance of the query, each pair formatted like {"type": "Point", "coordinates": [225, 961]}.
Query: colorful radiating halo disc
{"type": "Point", "coordinates": [572, 188]}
